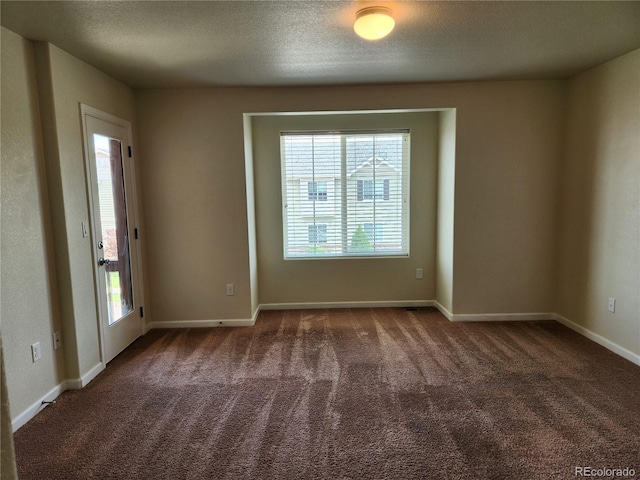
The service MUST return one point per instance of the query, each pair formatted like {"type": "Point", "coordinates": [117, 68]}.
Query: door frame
{"type": "Point", "coordinates": [132, 208]}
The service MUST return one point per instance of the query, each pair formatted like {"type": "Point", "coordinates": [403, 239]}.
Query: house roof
{"type": "Point", "coordinates": [325, 161]}
{"type": "Point", "coordinates": [379, 165]}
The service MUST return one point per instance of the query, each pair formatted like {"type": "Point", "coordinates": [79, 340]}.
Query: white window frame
{"type": "Point", "coordinates": [292, 225]}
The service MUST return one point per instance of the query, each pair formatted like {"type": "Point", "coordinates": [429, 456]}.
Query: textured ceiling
{"type": "Point", "coordinates": [183, 43]}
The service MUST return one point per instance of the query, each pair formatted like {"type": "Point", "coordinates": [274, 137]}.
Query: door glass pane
{"type": "Point", "coordinates": [113, 219]}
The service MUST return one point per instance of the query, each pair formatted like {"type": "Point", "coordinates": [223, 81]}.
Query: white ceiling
{"type": "Point", "coordinates": [306, 42]}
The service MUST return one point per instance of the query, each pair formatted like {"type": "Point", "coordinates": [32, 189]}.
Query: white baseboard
{"type": "Point", "coordinates": [443, 310]}
{"type": "Point", "coordinates": [78, 383]}
{"type": "Point", "coordinates": [500, 317]}
{"type": "Point", "coordinates": [234, 322]}
{"type": "Point", "coordinates": [249, 322]}
{"type": "Point", "coordinates": [492, 317]}
{"type": "Point", "coordinates": [608, 344]}
{"type": "Point", "coordinates": [68, 384]}
{"type": "Point", "coordinates": [35, 408]}
{"type": "Point", "coordinates": [320, 305]}
{"type": "Point", "coordinates": [255, 315]}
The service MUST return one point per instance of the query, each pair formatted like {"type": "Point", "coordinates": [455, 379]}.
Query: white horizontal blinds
{"type": "Point", "coordinates": [345, 193]}
{"type": "Point", "coordinates": [311, 194]}
{"type": "Point", "coordinates": [376, 193]}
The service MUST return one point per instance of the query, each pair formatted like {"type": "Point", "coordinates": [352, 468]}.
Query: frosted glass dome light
{"type": "Point", "coordinates": [374, 23]}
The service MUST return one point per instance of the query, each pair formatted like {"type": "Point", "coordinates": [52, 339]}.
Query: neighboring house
{"type": "Point", "coordinates": [105, 193]}
{"type": "Point", "coordinates": [337, 205]}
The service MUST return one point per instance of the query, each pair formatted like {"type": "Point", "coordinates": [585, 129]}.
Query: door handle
{"type": "Point", "coordinates": [103, 261]}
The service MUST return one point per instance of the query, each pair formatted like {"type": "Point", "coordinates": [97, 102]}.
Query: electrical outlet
{"type": "Point", "coordinates": [57, 340]}
{"type": "Point", "coordinates": [612, 305]}
{"type": "Point", "coordinates": [418, 273]}
{"type": "Point", "coordinates": [230, 289]}
{"type": "Point", "coordinates": [36, 353]}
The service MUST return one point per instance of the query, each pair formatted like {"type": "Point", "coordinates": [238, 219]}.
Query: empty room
{"type": "Point", "coordinates": [320, 239]}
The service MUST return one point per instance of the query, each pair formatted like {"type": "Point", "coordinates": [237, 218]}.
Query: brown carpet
{"type": "Point", "coordinates": [345, 394]}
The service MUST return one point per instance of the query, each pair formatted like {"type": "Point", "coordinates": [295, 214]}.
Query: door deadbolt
{"type": "Point", "coordinates": [100, 245]}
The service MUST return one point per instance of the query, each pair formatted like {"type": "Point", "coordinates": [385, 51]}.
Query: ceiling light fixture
{"type": "Point", "coordinates": [374, 23]}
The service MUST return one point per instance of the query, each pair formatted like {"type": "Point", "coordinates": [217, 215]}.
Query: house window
{"type": "Point", "coordinates": [317, 233]}
{"type": "Point", "coordinates": [340, 188]}
{"type": "Point", "coordinates": [370, 190]}
{"type": "Point", "coordinates": [317, 191]}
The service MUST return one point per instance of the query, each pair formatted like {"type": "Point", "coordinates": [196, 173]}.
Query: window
{"type": "Point", "coordinates": [366, 190]}
{"type": "Point", "coordinates": [317, 233]}
{"type": "Point", "coordinates": [317, 191]}
{"type": "Point", "coordinates": [348, 191]}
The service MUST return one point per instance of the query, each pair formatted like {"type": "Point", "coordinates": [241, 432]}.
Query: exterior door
{"type": "Point", "coordinates": [113, 220]}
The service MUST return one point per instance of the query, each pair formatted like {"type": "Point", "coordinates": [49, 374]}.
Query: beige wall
{"type": "Point", "coordinates": [64, 83]}
{"type": "Point", "coordinates": [28, 307]}
{"type": "Point", "coordinates": [345, 280]}
{"type": "Point", "coordinates": [508, 149]}
{"type": "Point", "coordinates": [7, 453]}
{"type": "Point", "coordinates": [193, 175]}
{"type": "Point", "coordinates": [47, 266]}
{"type": "Point", "coordinates": [446, 210]}
{"type": "Point", "coordinates": [599, 226]}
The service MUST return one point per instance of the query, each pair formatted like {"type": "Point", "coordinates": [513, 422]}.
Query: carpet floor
{"type": "Point", "coordinates": [345, 394]}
